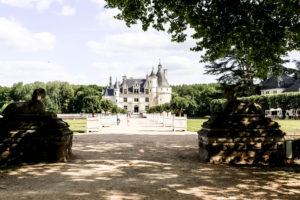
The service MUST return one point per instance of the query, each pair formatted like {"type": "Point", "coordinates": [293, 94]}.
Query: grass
{"type": "Point", "coordinates": [289, 125]}
{"type": "Point", "coordinates": [194, 125]}
{"type": "Point", "coordinates": [285, 125]}
{"type": "Point", "coordinates": [77, 126]}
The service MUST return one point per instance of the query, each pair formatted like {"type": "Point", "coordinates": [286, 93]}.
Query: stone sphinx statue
{"type": "Point", "coordinates": [30, 134]}
{"type": "Point", "coordinates": [34, 106]}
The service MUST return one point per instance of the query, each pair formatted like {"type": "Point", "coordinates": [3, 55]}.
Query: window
{"type": "Point", "coordinates": [136, 91]}
{"type": "Point", "coordinates": [147, 99]}
{"type": "Point", "coordinates": [267, 92]}
{"type": "Point", "coordinates": [125, 107]}
{"type": "Point", "coordinates": [116, 100]}
{"type": "Point", "coordinates": [274, 92]}
{"type": "Point", "coordinates": [125, 91]}
{"type": "Point", "coordinates": [147, 91]}
{"type": "Point", "coordinates": [136, 99]}
{"type": "Point", "coordinates": [125, 99]}
{"type": "Point", "coordinates": [115, 93]}
{"type": "Point", "coordinates": [146, 107]}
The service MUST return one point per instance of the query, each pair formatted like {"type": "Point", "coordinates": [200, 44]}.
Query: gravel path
{"type": "Point", "coordinates": [143, 161]}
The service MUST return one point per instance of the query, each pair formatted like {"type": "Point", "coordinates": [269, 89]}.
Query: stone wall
{"type": "Point", "coordinates": [34, 138]}
{"type": "Point", "coordinates": [242, 137]}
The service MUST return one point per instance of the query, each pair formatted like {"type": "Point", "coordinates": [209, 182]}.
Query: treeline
{"type": "Point", "coordinates": [197, 98]}
{"type": "Point", "coordinates": [285, 101]}
{"type": "Point", "coordinates": [61, 97]}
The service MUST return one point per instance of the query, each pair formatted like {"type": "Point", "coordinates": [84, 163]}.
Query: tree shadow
{"type": "Point", "coordinates": [144, 167]}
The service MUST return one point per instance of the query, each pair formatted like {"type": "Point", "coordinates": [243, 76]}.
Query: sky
{"type": "Point", "coordinates": [81, 42]}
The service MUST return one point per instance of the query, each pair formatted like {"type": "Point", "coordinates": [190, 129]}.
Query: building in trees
{"type": "Point", "coordinates": [137, 95]}
{"type": "Point", "coordinates": [280, 84]}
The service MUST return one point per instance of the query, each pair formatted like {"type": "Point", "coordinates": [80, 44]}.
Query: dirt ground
{"type": "Point", "coordinates": [143, 161]}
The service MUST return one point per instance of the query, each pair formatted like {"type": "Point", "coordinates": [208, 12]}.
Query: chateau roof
{"type": "Point", "coordinates": [161, 79]}
{"type": "Point", "coordinates": [294, 88]}
{"type": "Point", "coordinates": [108, 92]}
{"type": "Point", "coordinates": [152, 72]}
{"type": "Point", "coordinates": [282, 81]}
{"type": "Point", "coordinates": [130, 82]}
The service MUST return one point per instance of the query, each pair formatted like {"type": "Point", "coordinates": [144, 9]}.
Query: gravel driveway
{"type": "Point", "coordinates": [144, 161]}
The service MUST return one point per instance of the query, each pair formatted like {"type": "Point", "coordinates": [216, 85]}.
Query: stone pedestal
{"type": "Point", "coordinates": [243, 136]}
{"type": "Point", "coordinates": [34, 138]}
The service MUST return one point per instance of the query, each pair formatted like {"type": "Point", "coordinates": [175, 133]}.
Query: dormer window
{"type": "Point", "coordinates": [125, 91]}
{"type": "Point", "coordinates": [146, 91]}
{"type": "Point", "coordinates": [136, 91]}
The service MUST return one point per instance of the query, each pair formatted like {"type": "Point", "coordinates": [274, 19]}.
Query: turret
{"type": "Point", "coordinates": [164, 90]}
{"type": "Point", "coordinates": [117, 89]}
{"type": "Point", "coordinates": [110, 82]}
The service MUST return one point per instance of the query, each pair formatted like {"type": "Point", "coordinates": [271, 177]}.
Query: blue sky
{"type": "Point", "coordinates": [80, 42]}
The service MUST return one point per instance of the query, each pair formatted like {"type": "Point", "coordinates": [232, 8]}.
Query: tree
{"type": "Point", "coordinates": [91, 104]}
{"type": "Point", "coordinates": [167, 107]}
{"type": "Point", "coordinates": [106, 105]}
{"type": "Point", "coordinates": [116, 109]}
{"type": "Point", "coordinates": [259, 31]}
{"type": "Point", "coordinates": [81, 91]}
{"type": "Point", "coordinates": [236, 72]}
{"type": "Point", "coordinates": [179, 104]}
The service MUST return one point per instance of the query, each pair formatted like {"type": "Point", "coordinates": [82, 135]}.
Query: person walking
{"type": "Point", "coordinates": [118, 119]}
{"type": "Point", "coordinates": [128, 119]}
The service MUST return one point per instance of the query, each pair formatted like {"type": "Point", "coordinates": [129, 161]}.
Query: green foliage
{"type": "Point", "coordinates": [81, 91]}
{"type": "Point", "coordinates": [4, 96]}
{"type": "Point", "coordinates": [260, 32]}
{"type": "Point", "coordinates": [91, 104]}
{"type": "Point", "coordinates": [61, 96]}
{"type": "Point", "coordinates": [217, 106]}
{"type": "Point", "coordinates": [238, 73]}
{"type": "Point", "coordinates": [106, 105]}
{"type": "Point", "coordinates": [199, 97]}
{"type": "Point", "coordinates": [284, 101]}
{"type": "Point", "coordinates": [179, 104]}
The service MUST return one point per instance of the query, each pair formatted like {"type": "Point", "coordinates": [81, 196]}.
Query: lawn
{"type": "Point", "coordinates": [77, 126]}
{"type": "Point", "coordinates": [195, 124]}
{"type": "Point", "coordinates": [286, 125]}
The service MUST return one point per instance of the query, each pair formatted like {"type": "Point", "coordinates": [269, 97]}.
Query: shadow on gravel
{"type": "Point", "coordinates": [144, 167]}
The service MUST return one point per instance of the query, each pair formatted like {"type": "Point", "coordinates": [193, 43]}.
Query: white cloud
{"type": "Point", "coordinates": [139, 44]}
{"type": "Point", "coordinates": [181, 70]}
{"type": "Point", "coordinates": [67, 11]}
{"type": "Point", "coordinates": [101, 3]}
{"type": "Point", "coordinates": [107, 21]}
{"type": "Point", "coordinates": [13, 34]}
{"type": "Point", "coordinates": [40, 5]}
{"type": "Point", "coordinates": [30, 71]}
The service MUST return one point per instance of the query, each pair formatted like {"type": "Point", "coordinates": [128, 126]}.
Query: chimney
{"type": "Point", "coordinates": [166, 73]}
{"type": "Point", "coordinates": [124, 77]}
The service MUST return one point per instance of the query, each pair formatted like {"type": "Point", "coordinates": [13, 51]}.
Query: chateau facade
{"type": "Point", "coordinates": [137, 95]}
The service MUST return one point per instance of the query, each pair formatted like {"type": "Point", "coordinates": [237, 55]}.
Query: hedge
{"type": "Point", "coordinates": [285, 101]}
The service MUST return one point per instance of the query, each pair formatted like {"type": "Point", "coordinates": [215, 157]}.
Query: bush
{"type": "Point", "coordinates": [284, 101]}
{"type": "Point", "coordinates": [217, 106]}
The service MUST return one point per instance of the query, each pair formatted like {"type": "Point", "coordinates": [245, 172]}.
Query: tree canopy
{"type": "Point", "coordinates": [258, 31]}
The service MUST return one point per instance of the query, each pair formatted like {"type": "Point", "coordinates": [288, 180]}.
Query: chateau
{"type": "Point", "coordinates": [280, 84]}
{"type": "Point", "coordinates": [137, 95]}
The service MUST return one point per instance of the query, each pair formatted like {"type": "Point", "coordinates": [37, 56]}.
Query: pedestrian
{"type": "Point", "coordinates": [118, 119]}
{"type": "Point", "coordinates": [128, 119]}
